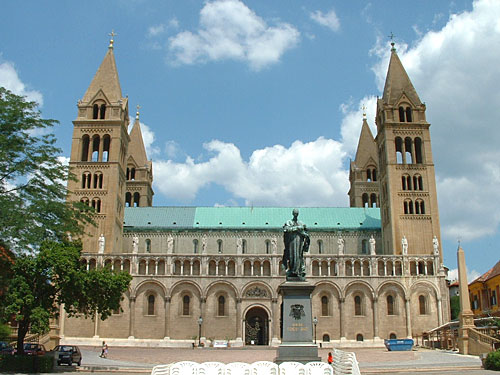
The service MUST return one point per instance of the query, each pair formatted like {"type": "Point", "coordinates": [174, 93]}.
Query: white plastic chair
{"type": "Point", "coordinates": [184, 368]}
{"type": "Point", "coordinates": [318, 368]}
{"type": "Point", "coordinates": [238, 368]}
{"type": "Point", "coordinates": [211, 368]}
{"type": "Point", "coordinates": [292, 368]}
{"type": "Point", "coordinates": [264, 368]}
{"type": "Point", "coordinates": [161, 370]}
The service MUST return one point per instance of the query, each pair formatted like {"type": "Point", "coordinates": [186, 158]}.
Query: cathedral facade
{"type": "Point", "coordinates": [212, 273]}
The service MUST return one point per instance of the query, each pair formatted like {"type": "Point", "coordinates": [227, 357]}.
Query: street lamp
{"type": "Point", "coordinates": [315, 322]}
{"type": "Point", "coordinates": [200, 321]}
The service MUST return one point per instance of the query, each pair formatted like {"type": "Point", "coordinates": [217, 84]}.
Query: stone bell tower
{"type": "Point", "coordinates": [98, 156]}
{"type": "Point", "coordinates": [406, 170]}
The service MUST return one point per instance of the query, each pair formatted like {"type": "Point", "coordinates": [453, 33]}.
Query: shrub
{"type": "Point", "coordinates": [26, 363]}
{"type": "Point", "coordinates": [492, 361]}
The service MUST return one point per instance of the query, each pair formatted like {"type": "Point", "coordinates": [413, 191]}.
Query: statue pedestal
{"type": "Point", "coordinates": [297, 341]}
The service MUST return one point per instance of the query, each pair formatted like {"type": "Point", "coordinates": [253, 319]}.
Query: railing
{"type": "Point", "coordinates": [485, 339]}
{"type": "Point", "coordinates": [251, 265]}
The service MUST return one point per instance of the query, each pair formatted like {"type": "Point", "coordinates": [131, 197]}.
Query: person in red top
{"type": "Point", "coordinates": [330, 358]}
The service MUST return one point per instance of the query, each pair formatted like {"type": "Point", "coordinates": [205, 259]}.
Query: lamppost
{"type": "Point", "coordinates": [315, 322]}
{"type": "Point", "coordinates": [200, 321]}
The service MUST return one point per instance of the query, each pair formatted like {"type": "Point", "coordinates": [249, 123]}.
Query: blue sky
{"type": "Point", "coordinates": [236, 96]}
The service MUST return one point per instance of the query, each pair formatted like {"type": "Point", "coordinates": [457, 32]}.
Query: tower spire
{"type": "Point", "coordinates": [112, 34]}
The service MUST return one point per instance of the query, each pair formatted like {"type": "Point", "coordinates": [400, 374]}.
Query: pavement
{"type": "Point", "coordinates": [128, 360]}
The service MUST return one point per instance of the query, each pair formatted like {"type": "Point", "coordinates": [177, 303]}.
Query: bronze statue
{"type": "Point", "coordinates": [296, 244]}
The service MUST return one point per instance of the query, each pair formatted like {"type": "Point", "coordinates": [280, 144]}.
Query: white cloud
{"type": "Point", "coordinates": [305, 174]}
{"type": "Point", "coordinates": [471, 275]}
{"type": "Point", "coordinates": [9, 79]}
{"type": "Point", "coordinates": [230, 30]}
{"type": "Point", "coordinates": [171, 149]}
{"type": "Point", "coordinates": [329, 19]}
{"type": "Point", "coordinates": [173, 23]}
{"type": "Point", "coordinates": [155, 30]}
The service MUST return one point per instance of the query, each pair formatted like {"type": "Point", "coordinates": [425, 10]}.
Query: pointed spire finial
{"type": "Point", "coordinates": [393, 49]}
{"type": "Point", "coordinates": [137, 113]}
{"type": "Point", "coordinates": [364, 111]}
{"type": "Point", "coordinates": [111, 41]}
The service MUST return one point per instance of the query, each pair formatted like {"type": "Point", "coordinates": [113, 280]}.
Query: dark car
{"type": "Point", "coordinates": [68, 354]}
{"type": "Point", "coordinates": [34, 349]}
{"type": "Point", "coordinates": [5, 348]}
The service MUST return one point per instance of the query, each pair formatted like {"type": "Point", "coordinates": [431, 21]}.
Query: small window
{"type": "Point", "coordinates": [320, 247]}
{"type": "Point", "coordinates": [421, 305]}
{"type": "Point", "coordinates": [219, 246]}
{"type": "Point", "coordinates": [390, 305]}
{"type": "Point", "coordinates": [103, 111]}
{"type": "Point", "coordinates": [357, 307]}
{"type": "Point", "coordinates": [326, 338]}
{"type": "Point", "coordinates": [128, 199]}
{"type": "Point", "coordinates": [185, 305]}
{"type": "Point", "coordinates": [148, 245]}
{"type": "Point", "coordinates": [268, 246]}
{"type": "Point", "coordinates": [95, 112]}
{"type": "Point", "coordinates": [393, 336]}
{"type": "Point", "coordinates": [85, 147]}
{"type": "Point", "coordinates": [221, 306]}
{"type": "Point", "coordinates": [151, 305]}
{"type": "Point", "coordinates": [243, 247]}
{"type": "Point", "coordinates": [195, 246]}
{"type": "Point", "coordinates": [359, 337]}
{"type": "Point", "coordinates": [324, 306]}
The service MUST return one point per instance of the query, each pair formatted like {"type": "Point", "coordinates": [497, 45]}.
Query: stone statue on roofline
{"type": "Point", "coordinates": [435, 245]}
{"type": "Point", "coordinates": [341, 245]}
{"type": "Point", "coordinates": [372, 245]}
{"type": "Point", "coordinates": [135, 244]}
{"type": "Point", "coordinates": [404, 245]}
{"type": "Point", "coordinates": [102, 243]}
{"type": "Point", "coordinates": [296, 240]}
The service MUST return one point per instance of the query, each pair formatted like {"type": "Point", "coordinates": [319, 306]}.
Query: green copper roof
{"type": "Point", "coordinates": [249, 218]}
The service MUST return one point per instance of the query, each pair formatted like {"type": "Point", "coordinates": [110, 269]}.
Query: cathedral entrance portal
{"type": "Point", "coordinates": [256, 327]}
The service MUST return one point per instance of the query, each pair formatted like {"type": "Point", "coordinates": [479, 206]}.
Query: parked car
{"type": "Point", "coordinates": [32, 349]}
{"type": "Point", "coordinates": [5, 348]}
{"type": "Point", "coordinates": [68, 354]}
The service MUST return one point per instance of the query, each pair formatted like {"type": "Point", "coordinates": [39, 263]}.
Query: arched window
{"type": "Point", "coordinates": [374, 174]}
{"type": "Point", "coordinates": [326, 338]}
{"type": "Point", "coordinates": [369, 175]}
{"type": "Point", "coordinates": [195, 246]}
{"type": "Point", "coordinates": [148, 245]}
{"type": "Point", "coordinates": [373, 200]}
{"type": "Point", "coordinates": [97, 180]}
{"type": "Point", "coordinates": [102, 111]}
{"type": "Point", "coordinates": [128, 174]}
{"type": "Point", "coordinates": [408, 114]}
{"type": "Point", "coordinates": [86, 180]}
{"type": "Point", "coordinates": [393, 336]}
{"type": "Point", "coordinates": [96, 204]}
{"type": "Point", "coordinates": [364, 197]}
{"type": "Point", "coordinates": [357, 306]}
{"type": "Point", "coordinates": [422, 208]}
{"type": "Point", "coordinates": [95, 111]}
{"type": "Point", "coordinates": [151, 305]}
{"type": "Point", "coordinates": [128, 199]}
{"type": "Point", "coordinates": [221, 310]}
{"type": "Point", "coordinates": [320, 247]}
{"type": "Point", "coordinates": [422, 305]}
{"type": "Point", "coordinates": [399, 150]}
{"type": "Point", "coordinates": [185, 305]}
{"type": "Point", "coordinates": [268, 247]}
{"type": "Point", "coordinates": [105, 149]}
{"type": "Point", "coordinates": [408, 151]}
{"type": "Point", "coordinates": [95, 148]}
{"type": "Point", "coordinates": [219, 246]}
{"type": "Point", "coordinates": [420, 183]}
{"type": "Point", "coordinates": [418, 150]}
{"type": "Point", "coordinates": [401, 114]}
{"type": "Point", "coordinates": [132, 173]}
{"type": "Point", "coordinates": [390, 305]}
{"type": "Point", "coordinates": [243, 247]}
{"type": "Point", "coordinates": [137, 198]}
{"type": "Point", "coordinates": [324, 306]}
{"type": "Point", "coordinates": [359, 337]}
{"type": "Point", "coordinates": [85, 147]}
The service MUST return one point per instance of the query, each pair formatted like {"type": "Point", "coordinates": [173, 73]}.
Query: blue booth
{"type": "Point", "coordinates": [398, 344]}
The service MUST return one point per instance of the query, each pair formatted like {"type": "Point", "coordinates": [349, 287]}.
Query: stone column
{"type": "Point", "coordinates": [342, 318]}
{"type": "Point", "coordinates": [408, 317]}
{"type": "Point", "coordinates": [203, 306]}
{"type": "Point", "coordinates": [275, 326]}
{"type": "Point", "coordinates": [439, 312]}
{"type": "Point", "coordinates": [375, 317]}
{"type": "Point", "coordinates": [167, 318]}
{"type": "Point", "coordinates": [238, 320]}
{"type": "Point", "coordinates": [466, 317]}
{"type": "Point", "coordinates": [132, 318]}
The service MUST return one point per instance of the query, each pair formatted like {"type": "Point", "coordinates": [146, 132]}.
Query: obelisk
{"type": "Point", "coordinates": [466, 317]}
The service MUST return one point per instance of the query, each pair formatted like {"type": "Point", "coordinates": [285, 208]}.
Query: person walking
{"type": "Point", "coordinates": [104, 350]}
{"type": "Point", "coordinates": [330, 358]}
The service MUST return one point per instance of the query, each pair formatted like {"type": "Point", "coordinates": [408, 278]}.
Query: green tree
{"type": "Point", "coordinates": [33, 204]}
{"type": "Point", "coordinates": [454, 307]}
{"type": "Point", "coordinates": [44, 280]}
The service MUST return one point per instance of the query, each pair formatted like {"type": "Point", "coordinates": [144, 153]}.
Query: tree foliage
{"type": "Point", "coordinates": [454, 307]}
{"type": "Point", "coordinates": [33, 193]}
{"type": "Point", "coordinates": [42, 281]}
